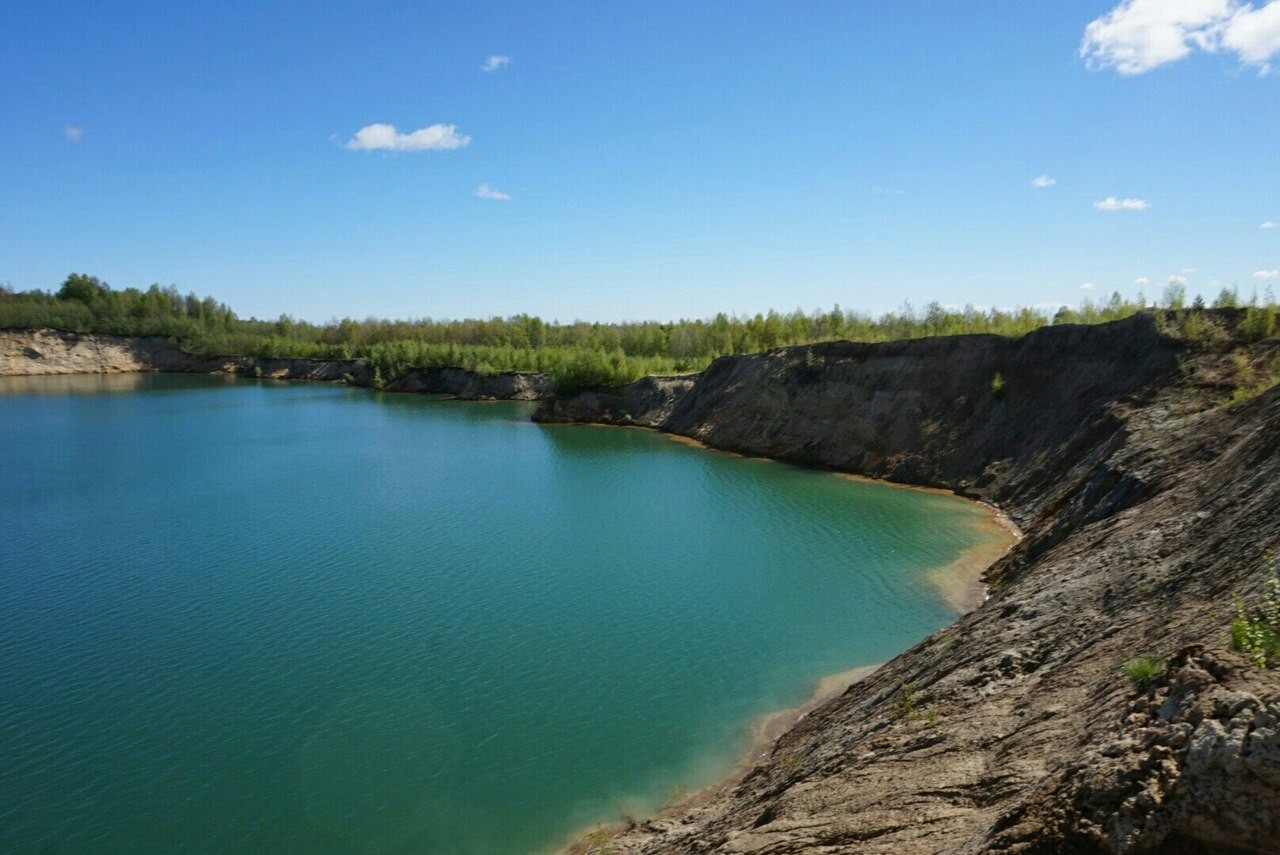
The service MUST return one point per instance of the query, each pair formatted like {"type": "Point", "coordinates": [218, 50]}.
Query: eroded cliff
{"type": "Point", "coordinates": [37, 352]}
{"type": "Point", "coordinates": [1146, 500]}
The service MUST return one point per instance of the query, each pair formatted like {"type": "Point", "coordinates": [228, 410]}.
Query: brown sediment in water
{"type": "Point", "coordinates": [962, 583]}
{"type": "Point", "coordinates": [764, 733]}
{"type": "Point", "coordinates": [696, 443]}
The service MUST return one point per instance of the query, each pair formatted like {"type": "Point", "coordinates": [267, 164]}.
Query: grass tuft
{"type": "Point", "coordinates": [1142, 670]}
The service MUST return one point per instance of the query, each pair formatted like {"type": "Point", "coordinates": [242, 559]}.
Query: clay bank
{"type": "Point", "coordinates": [1141, 461]}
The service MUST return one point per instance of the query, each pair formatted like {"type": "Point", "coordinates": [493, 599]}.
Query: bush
{"type": "Point", "coordinates": [1256, 632]}
{"type": "Point", "coordinates": [1191, 326]}
{"type": "Point", "coordinates": [906, 705]}
{"type": "Point", "coordinates": [1259, 323]}
{"type": "Point", "coordinates": [1141, 670]}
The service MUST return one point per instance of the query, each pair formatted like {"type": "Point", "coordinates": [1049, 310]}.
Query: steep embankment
{"type": "Point", "coordinates": [1146, 504]}
{"type": "Point", "coordinates": [36, 352]}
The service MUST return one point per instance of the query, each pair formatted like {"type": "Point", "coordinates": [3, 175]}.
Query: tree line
{"type": "Point", "coordinates": [575, 354]}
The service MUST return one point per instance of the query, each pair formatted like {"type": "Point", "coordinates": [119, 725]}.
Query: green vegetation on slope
{"type": "Point", "coordinates": [576, 355]}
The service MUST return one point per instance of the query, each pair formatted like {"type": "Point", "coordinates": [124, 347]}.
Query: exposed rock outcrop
{"type": "Point", "coordinates": [469, 386]}
{"type": "Point", "coordinates": [24, 352]}
{"type": "Point", "coordinates": [33, 352]}
{"type": "Point", "coordinates": [648, 402]}
{"type": "Point", "coordinates": [1146, 502]}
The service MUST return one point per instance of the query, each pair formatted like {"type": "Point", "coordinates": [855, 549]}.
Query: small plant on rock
{"type": "Point", "coordinates": [907, 703]}
{"type": "Point", "coordinates": [791, 762]}
{"type": "Point", "coordinates": [1142, 670]}
{"type": "Point", "coordinates": [1256, 632]}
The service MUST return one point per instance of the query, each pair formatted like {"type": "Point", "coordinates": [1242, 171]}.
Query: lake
{"type": "Point", "coordinates": [246, 616]}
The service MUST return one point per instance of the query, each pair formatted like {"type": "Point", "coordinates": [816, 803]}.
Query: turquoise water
{"type": "Point", "coordinates": [242, 616]}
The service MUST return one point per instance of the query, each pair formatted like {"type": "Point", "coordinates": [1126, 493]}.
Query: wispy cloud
{"type": "Point", "coordinates": [1111, 203]}
{"type": "Point", "coordinates": [1142, 280]}
{"type": "Point", "coordinates": [1175, 279]}
{"type": "Point", "coordinates": [1087, 286]}
{"type": "Point", "coordinates": [1043, 181]}
{"type": "Point", "coordinates": [495, 62]}
{"type": "Point", "coordinates": [1139, 35]}
{"type": "Point", "coordinates": [1267, 225]}
{"type": "Point", "coordinates": [73, 133]}
{"type": "Point", "coordinates": [386, 138]}
{"type": "Point", "coordinates": [1266, 274]}
{"type": "Point", "coordinates": [488, 191]}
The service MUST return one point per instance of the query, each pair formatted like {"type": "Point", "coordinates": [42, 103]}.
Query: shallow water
{"type": "Point", "coordinates": [242, 616]}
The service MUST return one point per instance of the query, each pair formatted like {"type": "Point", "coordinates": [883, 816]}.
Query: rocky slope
{"type": "Point", "coordinates": [1146, 502]}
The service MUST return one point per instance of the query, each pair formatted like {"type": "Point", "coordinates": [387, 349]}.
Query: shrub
{"type": "Point", "coordinates": [1256, 632]}
{"type": "Point", "coordinates": [906, 704]}
{"type": "Point", "coordinates": [997, 385]}
{"type": "Point", "coordinates": [1191, 327]}
{"type": "Point", "coordinates": [1141, 670]}
{"type": "Point", "coordinates": [1259, 323]}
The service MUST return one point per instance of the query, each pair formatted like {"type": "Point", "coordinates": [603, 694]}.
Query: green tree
{"type": "Point", "coordinates": [85, 289]}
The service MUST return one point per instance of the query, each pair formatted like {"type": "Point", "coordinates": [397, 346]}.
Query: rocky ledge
{"type": "Point", "coordinates": [1147, 501]}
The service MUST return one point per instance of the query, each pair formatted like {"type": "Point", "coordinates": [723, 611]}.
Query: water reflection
{"type": "Point", "coordinates": [75, 384]}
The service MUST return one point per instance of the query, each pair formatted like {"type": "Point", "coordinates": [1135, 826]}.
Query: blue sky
{"type": "Point", "coordinates": [612, 161]}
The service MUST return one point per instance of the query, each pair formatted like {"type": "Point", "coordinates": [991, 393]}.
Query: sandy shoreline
{"type": "Point", "coordinates": [765, 731]}
{"type": "Point", "coordinates": [961, 585]}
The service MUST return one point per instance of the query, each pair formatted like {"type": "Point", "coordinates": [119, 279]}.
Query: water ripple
{"type": "Point", "coordinates": [294, 618]}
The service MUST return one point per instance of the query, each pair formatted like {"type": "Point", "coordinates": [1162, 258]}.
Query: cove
{"type": "Point", "coordinates": [242, 616]}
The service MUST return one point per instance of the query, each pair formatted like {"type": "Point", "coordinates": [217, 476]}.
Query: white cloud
{"type": "Point", "coordinates": [387, 138]}
{"type": "Point", "coordinates": [1267, 225]}
{"type": "Point", "coordinates": [1142, 280]}
{"type": "Point", "coordinates": [1111, 203]}
{"type": "Point", "coordinates": [1175, 279]}
{"type": "Point", "coordinates": [73, 133]}
{"type": "Point", "coordinates": [1266, 274]}
{"type": "Point", "coordinates": [1139, 35]}
{"type": "Point", "coordinates": [1254, 34]}
{"type": "Point", "coordinates": [1043, 181]}
{"type": "Point", "coordinates": [487, 191]}
{"type": "Point", "coordinates": [494, 62]}
{"type": "Point", "coordinates": [1087, 286]}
